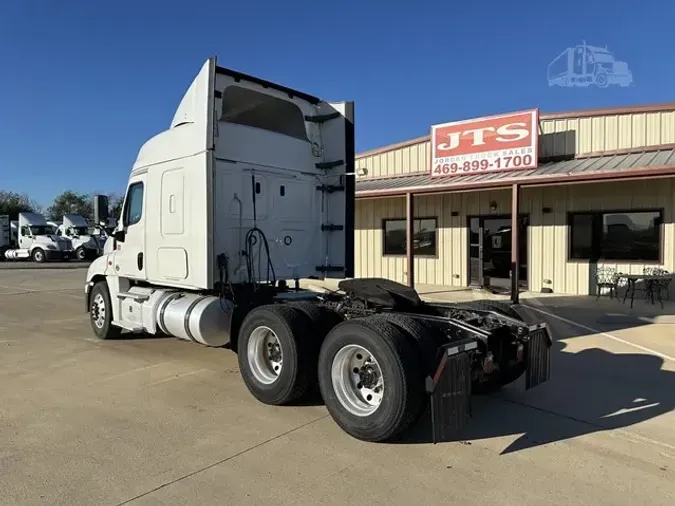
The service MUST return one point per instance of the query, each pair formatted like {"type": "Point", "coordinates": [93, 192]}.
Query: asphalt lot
{"type": "Point", "coordinates": [161, 421]}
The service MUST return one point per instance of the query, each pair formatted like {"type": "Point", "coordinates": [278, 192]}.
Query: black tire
{"type": "Point", "coordinates": [400, 366]}
{"type": "Point", "coordinates": [493, 305]}
{"type": "Point", "coordinates": [80, 254]}
{"type": "Point", "coordinates": [323, 319]}
{"type": "Point", "coordinates": [427, 340]}
{"type": "Point", "coordinates": [292, 328]}
{"type": "Point", "coordinates": [103, 329]}
{"type": "Point", "coordinates": [426, 337]}
{"type": "Point", "coordinates": [38, 255]}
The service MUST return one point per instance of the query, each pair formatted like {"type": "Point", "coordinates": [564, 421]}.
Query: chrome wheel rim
{"type": "Point", "coordinates": [98, 311]}
{"type": "Point", "coordinates": [265, 356]}
{"type": "Point", "coordinates": [357, 380]}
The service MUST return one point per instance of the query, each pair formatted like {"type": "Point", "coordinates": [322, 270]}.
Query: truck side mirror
{"type": "Point", "coordinates": [119, 235]}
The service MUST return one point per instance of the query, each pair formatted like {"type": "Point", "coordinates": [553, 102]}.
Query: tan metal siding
{"type": "Point", "coordinates": [548, 241]}
{"type": "Point", "coordinates": [547, 253]}
{"type": "Point", "coordinates": [450, 265]}
{"type": "Point", "coordinates": [558, 137]}
{"type": "Point", "coordinates": [404, 160]}
{"type": "Point", "coordinates": [668, 127]}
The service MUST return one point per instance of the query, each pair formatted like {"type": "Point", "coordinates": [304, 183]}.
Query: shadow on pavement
{"type": "Point", "coordinates": [590, 391]}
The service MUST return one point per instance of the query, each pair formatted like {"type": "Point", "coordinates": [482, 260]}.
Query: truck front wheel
{"type": "Point", "coordinates": [38, 255]}
{"type": "Point", "coordinates": [276, 359]}
{"type": "Point", "coordinates": [80, 253]}
{"type": "Point", "coordinates": [370, 379]}
{"type": "Point", "coordinates": [100, 312]}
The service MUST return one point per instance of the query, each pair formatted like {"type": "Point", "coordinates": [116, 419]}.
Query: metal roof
{"type": "Point", "coordinates": [609, 165]}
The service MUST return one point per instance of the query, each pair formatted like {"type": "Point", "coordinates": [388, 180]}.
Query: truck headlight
{"type": "Point", "coordinates": [51, 246]}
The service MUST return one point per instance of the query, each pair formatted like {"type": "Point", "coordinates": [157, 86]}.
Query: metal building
{"type": "Point", "coordinates": [601, 193]}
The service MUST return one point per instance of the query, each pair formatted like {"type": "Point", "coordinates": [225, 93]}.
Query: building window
{"type": "Point", "coordinates": [424, 239]}
{"type": "Point", "coordinates": [621, 236]}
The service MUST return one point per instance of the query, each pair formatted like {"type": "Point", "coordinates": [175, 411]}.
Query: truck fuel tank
{"type": "Point", "coordinates": [204, 319]}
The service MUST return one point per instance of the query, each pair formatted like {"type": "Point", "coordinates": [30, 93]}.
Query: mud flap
{"type": "Point", "coordinates": [538, 351]}
{"type": "Point", "coordinates": [450, 396]}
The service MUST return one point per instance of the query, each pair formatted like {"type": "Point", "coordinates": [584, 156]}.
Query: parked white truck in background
{"type": "Point", "coordinates": [102, 231]}
{"type": "Point", "coordinates": [76, 228]}
{"type": "Point", "coordinates": [36, 240]}
{"type": "Point", "coordinates": [252, 189]}
{"type": "Point", "coordinates": [5, 235]}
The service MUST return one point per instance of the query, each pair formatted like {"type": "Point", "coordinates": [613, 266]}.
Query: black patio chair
{"type": "Point", "coordinates": [607, 277]}
{"type": "Point", "coordinates": [659, 285]}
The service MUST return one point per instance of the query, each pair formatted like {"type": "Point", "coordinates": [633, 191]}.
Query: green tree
{"type": "Point", "coordinates": [13, 203]}
{"type": "Point", "coordinates": [70, 202]}
{"type": "Point", "coordinates": [115, 203]}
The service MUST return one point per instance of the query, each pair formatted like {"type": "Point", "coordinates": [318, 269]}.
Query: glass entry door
{"type": "Point", "coordinates": [490, 251]}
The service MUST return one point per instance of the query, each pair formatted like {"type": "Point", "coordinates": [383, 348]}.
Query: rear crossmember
{"type": "Point", "coordinates": [449, 387]}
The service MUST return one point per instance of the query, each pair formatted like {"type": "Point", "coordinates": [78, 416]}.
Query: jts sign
{"type": "Point", "coordinates": [494, 143]}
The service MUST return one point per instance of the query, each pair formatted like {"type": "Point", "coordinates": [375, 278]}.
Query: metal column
{"type": "Point", "coordinates": [515, 243]}
{"type": "Point", "coordinates": [409, 236]}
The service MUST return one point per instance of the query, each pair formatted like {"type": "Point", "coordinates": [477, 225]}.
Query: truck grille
{"type": "Point", "coordinates": [538, 358]}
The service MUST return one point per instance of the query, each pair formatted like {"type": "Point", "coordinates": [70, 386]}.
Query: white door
{"type": "Point", "coordinates": [25, 237]}
{"type": "Point", "coordinates": [130, 252]}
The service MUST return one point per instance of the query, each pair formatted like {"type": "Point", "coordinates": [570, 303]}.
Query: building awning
{"type": "Point", "coordinates": [655, 163]}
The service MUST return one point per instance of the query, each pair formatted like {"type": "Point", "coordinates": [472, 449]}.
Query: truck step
{"type": "Point", "coordinates": [138, 297]}
{"type": "Point", "coordinates": [330, 188]}
{"type": "Point", "coordinates": [329, 268]}
{"type": "Point", "coordinates": [331, 228]}
{"type": "Point", "coordinates": [329, 165]}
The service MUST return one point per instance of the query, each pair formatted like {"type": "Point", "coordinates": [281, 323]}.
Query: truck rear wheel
{"type": "Point", "coordinates": [323, 319]}
{"type": "Point", "coordinates": [370, 378]}
{"type": "Point", "coordinates": [100, 312]}
{"type": "Point", "coordinates": [276, 359]}
{"type": "Point", "coordinates": [427, 339]}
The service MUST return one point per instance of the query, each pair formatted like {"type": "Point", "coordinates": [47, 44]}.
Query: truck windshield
{"type": "Point", "coordinates": [80, 230]}
{"type": "Point", "coordinates": [41, 229]}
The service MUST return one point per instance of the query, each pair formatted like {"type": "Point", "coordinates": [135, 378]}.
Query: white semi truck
{"type": "Point", "coordinates": [76, 228]}
{"type": "Point", "coordinates": [36, 240]}
{"type": "Point", "coordinates": [101, 232]}
{"type": "Point", "coordinates": [5, 235]}
{"type": "Point", "coordinates": [249, 190]}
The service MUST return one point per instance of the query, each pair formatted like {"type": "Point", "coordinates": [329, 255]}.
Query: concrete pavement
{"type": "Point", "coordinates": [161, 421]}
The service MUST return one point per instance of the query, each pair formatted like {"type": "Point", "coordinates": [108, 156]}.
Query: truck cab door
{"type": "Point", "coordinates": [25, 238]}
{"type": "Point", "coordinates": [336, 123]}
{"type": "Point", "coordinates": [129, 261]}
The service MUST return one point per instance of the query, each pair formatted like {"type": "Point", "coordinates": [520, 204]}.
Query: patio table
{"type": "Point", "coordinates": [651, 280]}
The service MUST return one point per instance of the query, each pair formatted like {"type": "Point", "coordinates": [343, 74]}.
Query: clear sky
{"type": "Point", "coordinates": [85, 82]}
